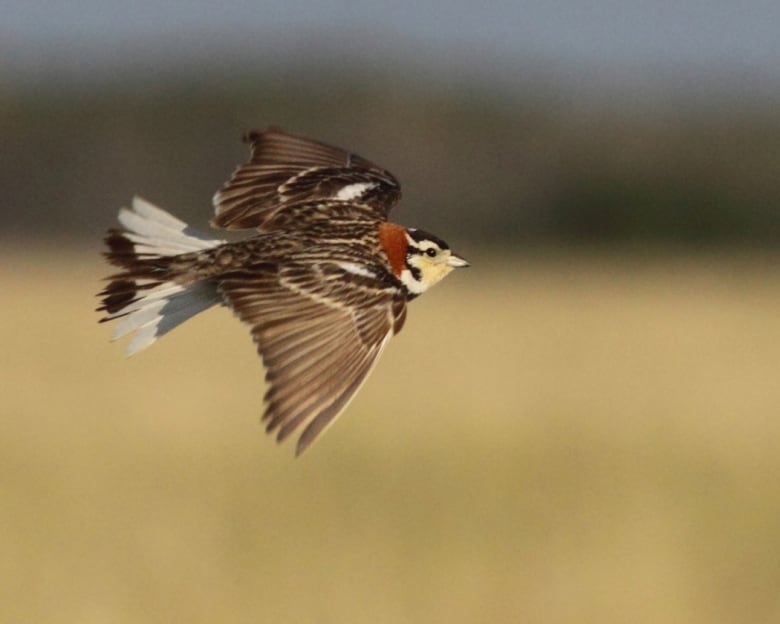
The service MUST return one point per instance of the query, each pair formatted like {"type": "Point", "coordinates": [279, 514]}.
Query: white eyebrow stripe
{"type": "Point", "coordinates": [353, 191]}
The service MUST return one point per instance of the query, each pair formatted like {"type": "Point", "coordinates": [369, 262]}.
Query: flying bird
{"type": "Point", "coordinates": [323, 280]}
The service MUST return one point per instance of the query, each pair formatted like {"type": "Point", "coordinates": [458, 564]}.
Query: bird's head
{"type": "Point", "coordinates": [428, 259]}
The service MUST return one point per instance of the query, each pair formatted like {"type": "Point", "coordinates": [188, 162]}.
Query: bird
{"type": "Point", "coordinates": [323, 279]}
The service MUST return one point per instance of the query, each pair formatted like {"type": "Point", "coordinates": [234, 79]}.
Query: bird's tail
{"type": "Point", "coordinates": [154, 292]}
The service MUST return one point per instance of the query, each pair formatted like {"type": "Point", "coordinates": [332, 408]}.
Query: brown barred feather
{"type": "Point", "coordinates": [141, 273]}
{"type": "Point", "coordinates": [285, 169]}
{"type": "Point", "coordinates": [319, 335]}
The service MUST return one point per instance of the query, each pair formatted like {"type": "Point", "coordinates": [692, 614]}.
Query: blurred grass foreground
{"type": "Point", "coordinates": [569, 438]}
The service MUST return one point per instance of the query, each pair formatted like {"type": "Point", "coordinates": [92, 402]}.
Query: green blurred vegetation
{"type": "Point", "coordinates": [476, 162]}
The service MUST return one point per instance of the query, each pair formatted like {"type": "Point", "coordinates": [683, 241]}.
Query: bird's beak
{"type": "Point", "coordinates": [456, 261]}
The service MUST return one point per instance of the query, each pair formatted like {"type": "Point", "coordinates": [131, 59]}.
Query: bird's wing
{"type": "Point", "coordinates": [319, 329]}
{"type": "Point", "coordinates": [285, 169]}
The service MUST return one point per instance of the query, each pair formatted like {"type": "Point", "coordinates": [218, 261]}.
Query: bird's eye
{"type": "Point", "coordinates": [430, 252]}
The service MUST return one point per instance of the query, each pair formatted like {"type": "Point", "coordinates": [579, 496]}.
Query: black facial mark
{"type": "Point", "coordinates": [413, 251]}
{"type": "Point", "coordinates": [422, 235]}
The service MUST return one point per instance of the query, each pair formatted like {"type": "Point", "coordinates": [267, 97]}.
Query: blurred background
{"type": "Point", "coordinates": [582, 427]}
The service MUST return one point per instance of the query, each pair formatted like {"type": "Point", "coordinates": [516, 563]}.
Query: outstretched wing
{"type": "Point", "coordinates": [286, 169]}
{"type": "Point", "coordinates": [319, 330]}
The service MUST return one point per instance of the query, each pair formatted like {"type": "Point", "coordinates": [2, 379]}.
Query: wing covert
{"type": "Point", "coordinates": [285, 169]}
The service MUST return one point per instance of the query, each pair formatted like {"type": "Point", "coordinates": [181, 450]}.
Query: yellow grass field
{"type": "Point", "coordinates": [572, 438]}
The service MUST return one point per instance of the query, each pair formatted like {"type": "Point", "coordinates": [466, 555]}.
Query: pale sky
{"type": "Point", "coordinates": [662, 33]}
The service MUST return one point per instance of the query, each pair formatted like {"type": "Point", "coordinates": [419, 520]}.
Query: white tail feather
{"type": "Point", "coordinates": [159, 316]}
{"type": "Point", "coordinates": [156, 232]}
{"type": "Point", "coordinates": [158, 309]}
